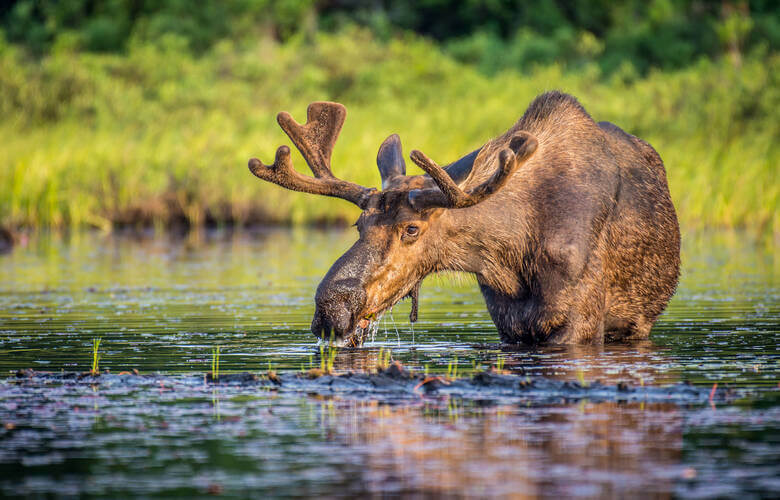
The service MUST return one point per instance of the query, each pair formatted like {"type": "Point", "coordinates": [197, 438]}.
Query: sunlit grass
{"type": "Point", "coordinates": [384, 358]}
{"type": "Point", "coordinates": [95, 356]}
{"type": "Point", "coordinates": [581, 378]}
{"type": "Point", "coordinates": [327, 358]}
{"type": "Point", "coordinates": [499, 366]}
{"type": "Point", "coordinates": [157, 135]}
{"type": "Point", "coordinates": [452, 369]}
{"type": "Point", "coordinates": [215, 363]}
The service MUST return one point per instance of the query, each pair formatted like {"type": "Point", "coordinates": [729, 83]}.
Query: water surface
{"type": "Point", "coordinates": [162, 304]}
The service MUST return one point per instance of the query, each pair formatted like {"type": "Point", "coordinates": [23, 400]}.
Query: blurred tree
{"type": "Point", "coordinates": [492, 34]}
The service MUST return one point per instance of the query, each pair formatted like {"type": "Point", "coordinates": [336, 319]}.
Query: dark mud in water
{"type": "Point", "coordinates": [395, 384]}
{"type": "Point", "coordinates": [693, 412]}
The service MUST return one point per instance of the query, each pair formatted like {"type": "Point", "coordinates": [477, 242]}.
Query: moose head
{"type": "Point", "coordinates": [413, 226]}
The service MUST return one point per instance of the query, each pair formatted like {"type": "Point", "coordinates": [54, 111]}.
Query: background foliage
{"type": "Point", "coordinates": [137, 112]}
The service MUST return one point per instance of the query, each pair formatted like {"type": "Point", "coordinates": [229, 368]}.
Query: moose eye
{"type": "Point", "coordinates": [412, 230]}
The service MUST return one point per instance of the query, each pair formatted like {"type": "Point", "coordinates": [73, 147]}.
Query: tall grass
{"type": "Point", "coordinates": [157, 135]}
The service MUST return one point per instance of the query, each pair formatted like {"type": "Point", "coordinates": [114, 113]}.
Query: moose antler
{"type": "Point", "coordinates": [315, 141]}
{"type": "Point", "coordinates": [450, 195]}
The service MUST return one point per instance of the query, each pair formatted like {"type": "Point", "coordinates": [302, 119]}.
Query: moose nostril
{"type": "Point", "coordinates": [334, 320]}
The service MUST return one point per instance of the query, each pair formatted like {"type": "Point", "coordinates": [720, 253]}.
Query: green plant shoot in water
{"type": "Point", "coordinates": [215, 363]}
{"type": "Point", "coordinates": [327, 359]}
{"type": "Point", "coordinates": [383, 358]}
{"type": "Point", "coordinates": [581, 378]}
{"type": "Point", "coordinates": [452, 369]}
{"type": "Point", "coordinates": [95, 356]}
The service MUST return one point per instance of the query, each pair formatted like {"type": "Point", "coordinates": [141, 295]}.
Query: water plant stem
{"type": "Point", "coordinates": [95, 356]}
{"type": "Point", "coordinates": [215, 363]}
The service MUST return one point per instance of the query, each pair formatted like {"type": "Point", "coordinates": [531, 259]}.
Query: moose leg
{"type": "Point", "coordinates": [523, 320]}
{"type": "Point", "coordinates": [586, 302]}
{"type": "Point", "coordinates": [570, 316]}
{"type": "Point", "coordinates": [503, 310]}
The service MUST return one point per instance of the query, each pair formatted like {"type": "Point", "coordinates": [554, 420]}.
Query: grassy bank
{"type": "Point", "coordinates": [156, 135]}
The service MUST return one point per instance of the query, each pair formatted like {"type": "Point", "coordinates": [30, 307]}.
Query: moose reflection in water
{"type": "Point", "coordinates": [567, 224]}
{"type": "Point", "coordinates": [455, 447]}
{"type": "Point", "coordinates": [636, 363]}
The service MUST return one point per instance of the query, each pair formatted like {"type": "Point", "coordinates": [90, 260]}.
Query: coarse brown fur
{"type": "Point", "coordinates": [567, 224]}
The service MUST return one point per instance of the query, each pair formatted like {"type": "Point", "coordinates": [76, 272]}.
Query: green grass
{"type": "Point", "coordinates": [95, 356]}
{"type": "Point", "coordinates": [500, 363]}
{"type": "Point", "coordinates": [452, 369]}
{"type": "Point", "coordinates": [157, 135]}
{"type": "Point", "coordinates": [327, 357]}
{"type": "Point", "coordinates": [215, 363]}
{"type": "Point", "coordinates": [581, 378]}
{"type": "Point", "coordinates": [384, 358]}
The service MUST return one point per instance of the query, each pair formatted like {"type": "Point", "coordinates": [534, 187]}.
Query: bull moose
{"type": "Point", "coordinates": [567, 224]}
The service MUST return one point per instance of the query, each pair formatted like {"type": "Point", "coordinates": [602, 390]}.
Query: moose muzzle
{"type": "Point", "coordinates": [340, 298]}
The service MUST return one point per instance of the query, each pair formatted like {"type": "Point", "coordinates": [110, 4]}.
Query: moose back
{"type": "Point", "coordinates": [567, 224]}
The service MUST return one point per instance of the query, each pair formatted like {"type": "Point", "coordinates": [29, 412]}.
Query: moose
{"type": "Point", "coordinates": [567, 224]}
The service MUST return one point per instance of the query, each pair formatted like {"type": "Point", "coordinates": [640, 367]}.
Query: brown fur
{"type": "Point", "coordinates": [580, 245]}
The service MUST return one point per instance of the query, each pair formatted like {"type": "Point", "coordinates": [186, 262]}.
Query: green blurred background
{"type": "Point", "coordinates": [143, 113]}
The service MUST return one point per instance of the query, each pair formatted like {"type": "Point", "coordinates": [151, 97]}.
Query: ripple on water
{"type": "Point", "coordinates": [162, 305]}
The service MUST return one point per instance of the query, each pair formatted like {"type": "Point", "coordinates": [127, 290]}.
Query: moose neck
{"type": "Point", "coordinates": [479, 240]}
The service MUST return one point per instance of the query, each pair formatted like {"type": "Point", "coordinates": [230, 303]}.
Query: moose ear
{"type": "Point", "coordinates": [460, 170]}
{"type": "Point", "coordinates": [390, 159]}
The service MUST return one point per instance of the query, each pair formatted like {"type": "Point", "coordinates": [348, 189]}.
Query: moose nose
{"type": "Point", "coordinates": [334, 321]}
{"type": "Point", "coordinates": [337, 302]}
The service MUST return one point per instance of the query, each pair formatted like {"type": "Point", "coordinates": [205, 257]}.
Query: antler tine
{"type": "Point", "coordinates": [449, 195]}
{"type": "Point", "coordinates": [283, 174]}
{"type": "Point", "coordinates": [455, 195]}
{"type": "Point", "coordinates": [316, 139]}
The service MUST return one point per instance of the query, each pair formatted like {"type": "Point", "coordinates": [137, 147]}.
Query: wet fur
{"type": "Point", "coordinates": [581, 245]}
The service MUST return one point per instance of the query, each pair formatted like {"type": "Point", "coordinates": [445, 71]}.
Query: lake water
{"type": "Point", "coordinates": [162, 304]}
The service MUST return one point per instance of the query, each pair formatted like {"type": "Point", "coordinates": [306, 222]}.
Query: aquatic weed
{"type": "Point", "coordinates": [328, 359]}
{"type": "Point", "coordinates": [452, 369]}
{"type": "Point", "coordinates": [95, 356]}
{"type": "Point", "coordinates": [215, 363]}
{"type": "Point", "coordinates": [581, 378]}
{"type": "Point", "coordinates": [383, 358]}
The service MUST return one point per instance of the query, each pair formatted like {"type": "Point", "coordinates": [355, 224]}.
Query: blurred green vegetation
{"type": "Point", "coordinates": [494, 35]}
{"type": "Point", "coordinates": [152, 123]}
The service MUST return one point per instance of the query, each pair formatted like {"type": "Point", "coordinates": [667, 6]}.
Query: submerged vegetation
{"type": "Point", "coordinates": [157, 130]}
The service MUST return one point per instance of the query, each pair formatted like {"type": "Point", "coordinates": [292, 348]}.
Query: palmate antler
{"type": "Point", "coordinates": [450, 195]}
{"type": "Point", "coordinates": [315, 141]}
